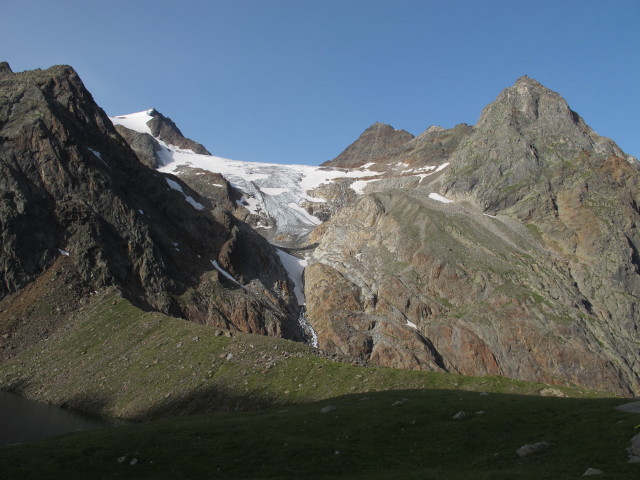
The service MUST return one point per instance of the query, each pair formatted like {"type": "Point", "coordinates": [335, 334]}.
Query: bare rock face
{"type": "Point", "coordinates": [71, 186]}
{"type": "Point", "coordinates": [163, 128]}
{"type": "Point", "coordinates": [144, 145]}
{"type": "Point", "coordinates": [530, 272]}
{"type": "Point", "coordinates": [376, 143]}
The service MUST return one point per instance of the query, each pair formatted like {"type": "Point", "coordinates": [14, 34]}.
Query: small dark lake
{"type": "Point", "coordinates": [24, 421]}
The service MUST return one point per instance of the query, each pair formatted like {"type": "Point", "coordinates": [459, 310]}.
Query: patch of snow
{"type": "Point", "coordinates": [176, 186]}
{"type": "Point", "coordinates": [252, 204]}
{"type": "Point", "coordinates": [225, 273]}
{"type": "Point", "coordinates": [366, 166]}
{"type": "Point", "coordinates": [194, 204]}
{"type": "Point", "coordinates": [420, 172]}
{"type": "Point", "coordinates": [64, 253]}
{"type": "Point", "coordinates": [141, 212]}
{"type": "Point", "coordinates": [306, 216]}
{"type": "Point", "coordinates": [134, 121]}
{"type": "Point", "coordinates": [217, 185]}
{"type": "Point", "coordinates": [313, 177]}
{"type": "Point", "coordinates": [492, 216]}
{"type": "Point", "coordinates": [439, 198]}
{"type": "Point", "coordinates": [98, 155]}
{"type": "Point", "coordinates": [442, 167]}
{"type": "Point", "coordinates": [358, 186]}
{"type": "Point", "coordinates": [295, 269]}
{"type": "Point", "coordinates": [425, 169]}
{"type": "Point", "coordinates": [412, 325]}
{"type": "Point", "coordinates": [274, 191]}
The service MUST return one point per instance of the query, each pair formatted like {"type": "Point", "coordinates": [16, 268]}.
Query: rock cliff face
{"type": "Point", "coordinates": [376, 143]}
{"type": "Point", "coordinates": [518, 258]}
{"type": "Point", "coordinates": [166, 130]}
{"type": "Point", "coordinates": [144, 145]}
{"type": "Point", "coordinates": [72, 187]}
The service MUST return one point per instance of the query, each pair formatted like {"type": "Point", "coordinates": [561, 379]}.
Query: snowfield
{"type": "Point", "coordinates": [134, 121]}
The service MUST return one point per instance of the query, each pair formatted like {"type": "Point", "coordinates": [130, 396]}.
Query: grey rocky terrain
{"type": "Point", "coordinates": [73, 189]}
{"type": "Point", "coordinates": [530, 271]}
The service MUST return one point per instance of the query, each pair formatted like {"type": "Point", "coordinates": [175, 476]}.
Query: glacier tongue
{"type": "Point", "coordinates": [275, 193]}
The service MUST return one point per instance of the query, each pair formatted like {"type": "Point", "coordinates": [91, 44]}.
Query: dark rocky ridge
{"type": "Point", "coordinates": [70, 182]}
{"type": "Point", "coordinates": [145, 146]}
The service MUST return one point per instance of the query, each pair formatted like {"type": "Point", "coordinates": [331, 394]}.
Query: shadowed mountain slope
{"type": "Point", "coordinates": [72, 187]}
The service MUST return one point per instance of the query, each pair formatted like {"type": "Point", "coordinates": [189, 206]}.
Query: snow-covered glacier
{"type": "Point", "coordinates": [273, 192]}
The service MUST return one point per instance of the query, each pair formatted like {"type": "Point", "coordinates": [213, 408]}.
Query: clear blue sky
{"type": "Point", "coordinates": [290, 81]}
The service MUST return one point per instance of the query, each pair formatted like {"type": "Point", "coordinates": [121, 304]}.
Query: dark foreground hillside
{"type": "Point", "coordinates": [414, 434]}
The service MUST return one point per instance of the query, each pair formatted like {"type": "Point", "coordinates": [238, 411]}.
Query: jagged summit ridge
{"type": "Point", "coordinates": [373, 145]}
{"type": "Point", "coordinates": [528, 101]}
{"type": "Point", "coordinates": [148, 132]}
{"type": "Point", "coordinates": [520, 138]}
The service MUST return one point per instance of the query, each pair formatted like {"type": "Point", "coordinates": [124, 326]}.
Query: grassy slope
{"type": "Point", "coordinates": [120, 361]}
{"type": "Point", "coordinates": [116, 360]}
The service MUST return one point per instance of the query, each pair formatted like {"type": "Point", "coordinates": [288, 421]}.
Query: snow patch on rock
{"type": "Point", "coordinates": [176, 186]}
{"type": "Point", "coordinates": [439, 198]}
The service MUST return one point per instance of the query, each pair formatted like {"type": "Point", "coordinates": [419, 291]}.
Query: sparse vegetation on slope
{"type": "Point", "coordinates": [117, 360]}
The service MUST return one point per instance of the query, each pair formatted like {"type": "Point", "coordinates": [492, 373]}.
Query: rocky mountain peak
{"type": "Point", "coordinates": [144, 131]}
{"type": "Point", "coordinates": [375, 144]}
{"type": "Point", "coordinates": [166, 130]}
{"type": "Point", "coordinates": [526, 137]}
{"type": "Point", "coordinates": [5, 68]}
{"type": "Point", "coordinates": [528, 103]}
{"type": "Point", "coordinates": [531, 185]}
